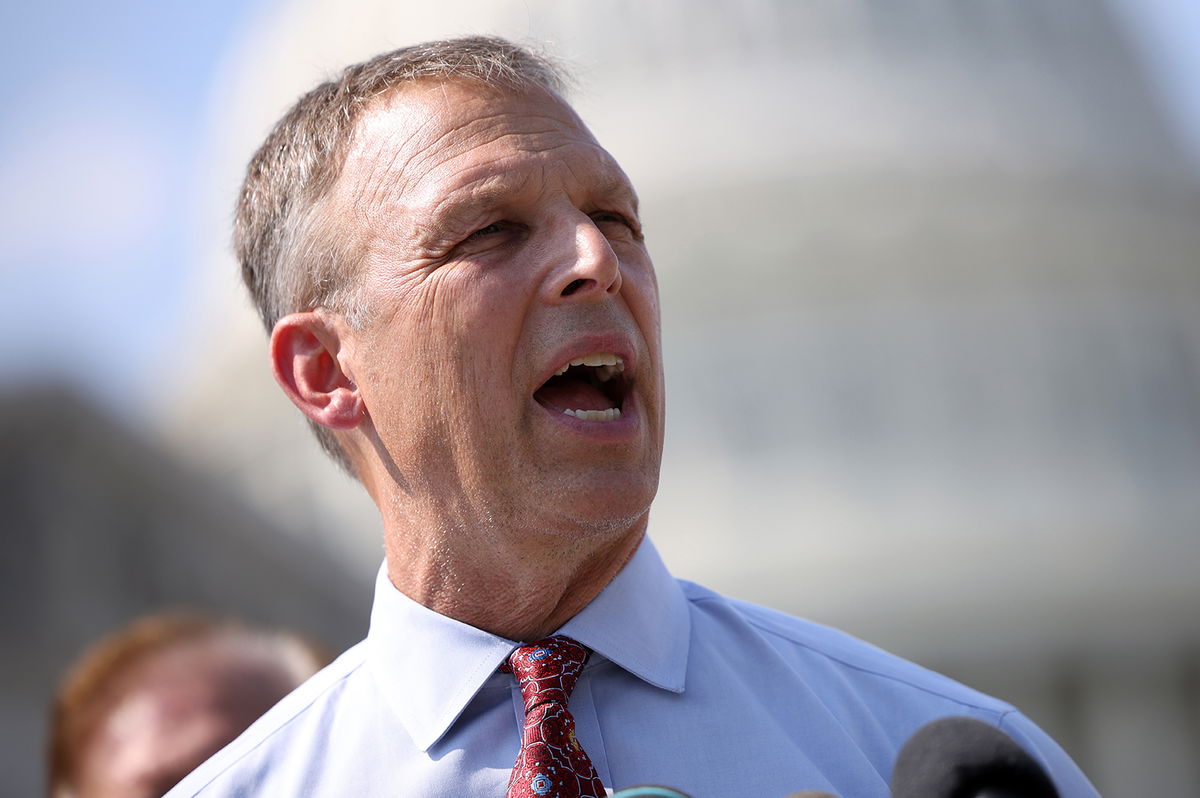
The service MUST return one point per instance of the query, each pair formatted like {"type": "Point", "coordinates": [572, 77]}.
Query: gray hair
{"type": "Point", "coordinates": [290, 259]}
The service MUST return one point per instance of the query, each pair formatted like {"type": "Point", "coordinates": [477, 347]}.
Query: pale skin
{"type": "Point", "coordinates": [498, 242]}
{"type": "Point", "coordinates": [177, 709]}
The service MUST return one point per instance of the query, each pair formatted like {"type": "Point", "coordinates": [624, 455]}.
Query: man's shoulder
{"type": "Point", "coordinates": [879, 698]}
{"type": "Point", "coordinates": [289, 729]}
{"type": "Point", "coordinates": [824, 655]}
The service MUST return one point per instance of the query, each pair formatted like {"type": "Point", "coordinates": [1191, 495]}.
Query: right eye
{"type": "Point", "coordinates": [491, 229]}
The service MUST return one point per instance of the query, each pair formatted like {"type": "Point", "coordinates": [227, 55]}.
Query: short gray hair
{"type": "Point", "coordinates": [290, 259]}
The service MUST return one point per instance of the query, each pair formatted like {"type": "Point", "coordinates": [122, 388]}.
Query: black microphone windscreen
{"type": "Point", "coordinates": [960, 757]}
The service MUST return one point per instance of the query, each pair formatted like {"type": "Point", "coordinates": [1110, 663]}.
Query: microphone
{"type": "Point", "coordinates": [960, 757]}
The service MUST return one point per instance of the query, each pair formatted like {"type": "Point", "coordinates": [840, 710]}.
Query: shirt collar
{"type": "Point", "coordinates": [640, 622]}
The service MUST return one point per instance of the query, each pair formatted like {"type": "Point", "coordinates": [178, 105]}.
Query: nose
{"type": "Point", "coordinates": [588, 269]}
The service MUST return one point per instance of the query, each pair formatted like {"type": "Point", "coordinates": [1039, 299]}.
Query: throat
{"type": "Point", "coordinates": [524, 593]}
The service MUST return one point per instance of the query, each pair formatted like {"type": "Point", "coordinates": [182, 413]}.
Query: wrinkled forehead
{"type": "Point", "coordinates": [445, 114]}
{"type": "Point", "coordinates": [445, 130]}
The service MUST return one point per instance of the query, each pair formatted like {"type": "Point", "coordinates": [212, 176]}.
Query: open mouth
{"type": "Point", "coordinates": [591, 388]}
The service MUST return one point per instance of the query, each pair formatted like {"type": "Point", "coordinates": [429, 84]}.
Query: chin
{"type": "Point", "coordinates": [614, 510]}
{"type": "Point", "coordinates": [612, 527]}
{"type": "Point", "coordinates": [567, 501]}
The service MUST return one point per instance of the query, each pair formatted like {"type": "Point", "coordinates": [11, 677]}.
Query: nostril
{"type": "Point", "coordinates": [573, 286]}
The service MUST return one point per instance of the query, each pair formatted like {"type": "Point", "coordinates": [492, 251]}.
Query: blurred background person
{"type": "Point", "coordinates": [147, 704]}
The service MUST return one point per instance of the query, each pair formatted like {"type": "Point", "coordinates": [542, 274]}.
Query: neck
{"type": "Point", "coordinates": [521, 585]}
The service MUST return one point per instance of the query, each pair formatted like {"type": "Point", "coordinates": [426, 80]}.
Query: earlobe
{"type": "Point", "coordinates": [305, 349]}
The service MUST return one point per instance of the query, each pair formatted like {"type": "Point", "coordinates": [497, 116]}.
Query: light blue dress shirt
{"type": "Point", "coordinates": [685, 688]}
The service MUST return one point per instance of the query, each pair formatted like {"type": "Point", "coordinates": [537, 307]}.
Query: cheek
{"type": "Point", "coordinates": [459, 300]}
{"type": "Point", "coordinates": [445, 350]}
{"type": "Point", "coordinates": [640, 289]}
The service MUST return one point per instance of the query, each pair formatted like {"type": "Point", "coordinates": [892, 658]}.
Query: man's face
{"type": "Point", "coordinates": [499, 245]}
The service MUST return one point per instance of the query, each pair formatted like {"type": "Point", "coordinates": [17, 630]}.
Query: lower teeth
{"type": "Point", "coordinates": [611, 414]}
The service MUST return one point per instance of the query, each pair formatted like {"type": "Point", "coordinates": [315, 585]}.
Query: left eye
{"type": "Point", "coordinates": [610, 216]}
{"type": "Point", "coordinates": [625, 226]}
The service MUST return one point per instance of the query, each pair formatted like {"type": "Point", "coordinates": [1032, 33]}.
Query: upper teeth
{"type": "Point", "coordinates": [606, 363]}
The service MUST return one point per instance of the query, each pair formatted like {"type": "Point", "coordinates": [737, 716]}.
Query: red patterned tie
{"type": "Point", "coordinates": [552, 763]}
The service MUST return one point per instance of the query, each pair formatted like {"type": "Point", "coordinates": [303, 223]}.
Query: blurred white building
{"type": "Point", "coordinates": [931, 279]}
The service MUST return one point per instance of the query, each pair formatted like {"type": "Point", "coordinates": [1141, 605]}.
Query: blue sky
{"type": "Point", "coordinates": [100, 168]}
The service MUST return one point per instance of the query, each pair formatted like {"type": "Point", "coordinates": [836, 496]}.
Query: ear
{"type": "Point", "coordinates": [304, 358]}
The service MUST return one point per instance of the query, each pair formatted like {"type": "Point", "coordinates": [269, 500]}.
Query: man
{"type": "Point", "coordinates": [147, 704]}
{"type": "Point", "coordinates": [460, 299]}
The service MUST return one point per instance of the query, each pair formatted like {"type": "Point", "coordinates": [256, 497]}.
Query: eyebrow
{"type": "Point", "coordinates": [477, 197]}
{"type": "Point", "coordinates": [619, 188]}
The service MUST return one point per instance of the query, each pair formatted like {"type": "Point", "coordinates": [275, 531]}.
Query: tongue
{"type": "Point", "coordinates": [567, 394]}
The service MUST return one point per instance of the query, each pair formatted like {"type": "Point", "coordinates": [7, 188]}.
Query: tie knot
{"type": "Point", "coordinates": [547, 669]}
